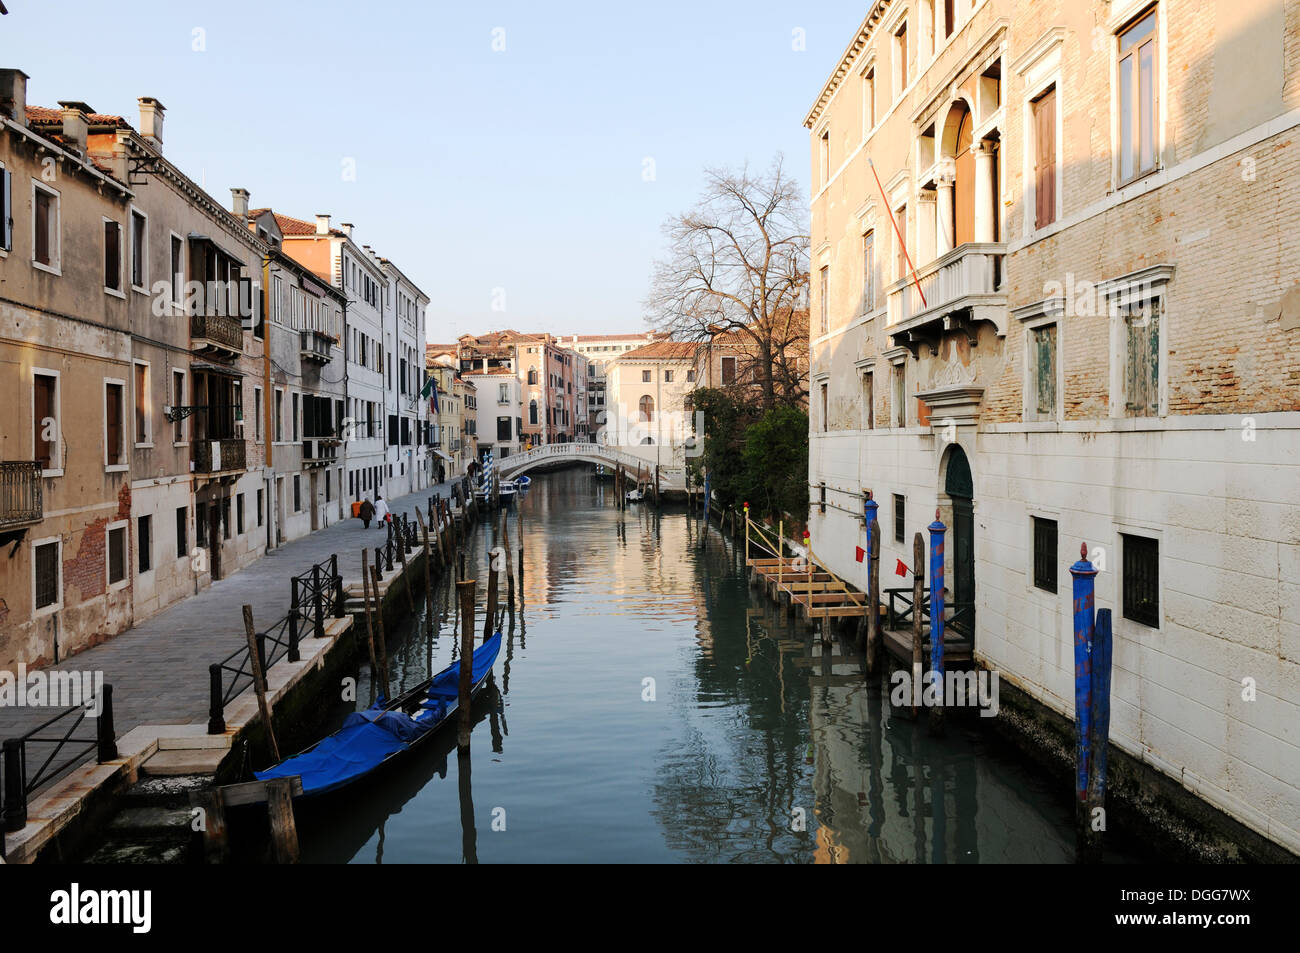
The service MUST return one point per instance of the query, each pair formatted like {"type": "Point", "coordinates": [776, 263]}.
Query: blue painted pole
{"type": "Point", "coordinates": [1085, 577]}
{"type": "Point", "coordinates": [706, 497]}
{"type": "Point", "coordinates": [869, 507]}
{"type": "Point", "coordinates": [937, 531]}
{"type": "Point", "coordinates": [1100, 733]}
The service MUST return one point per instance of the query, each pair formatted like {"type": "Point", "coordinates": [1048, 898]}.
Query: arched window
{"type": "Point", "coordinates": [532, 378]}
{"type": "Point", "coordinates": [648, 442]}
{"type": "Point", "coordinates": [532, 412]}
{"type": "Point", "coordinates": [647, 408]}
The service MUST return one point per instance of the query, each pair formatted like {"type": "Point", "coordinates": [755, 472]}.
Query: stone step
{"type": "Point", "coordinates": [189, 761]}
{"type": "Point", "coordinates": [153, 820]}
{"type": "Point", "coordinates": [170, 791]}
{"type": "Point", "coordinates": [185, 737]}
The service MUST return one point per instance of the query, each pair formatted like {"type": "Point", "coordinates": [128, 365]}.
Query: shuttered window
{"type": "Point", "coordinates": [116, 554]}
{"type": "Point", "coordinates": [44, 213]}
{"type": "Point", "coordinates": [45, 428]}
{"type": "Point", "coordinates": [113, 421]}
{"type": "Point", "coordinates": [113, 256]}
{"type": "Point", "coordinates": [1142, 365]}
{"type": "Point", "coordinates": [137, 249]}
{"type": "Point", "coordinates": [6, 210]}
{"type": "Point", "coordinates": [1045, 159]}
{"type": "Point", "coordinates": [1044, 358]}
{"type": "Point", "coordinates": [47, 574]}
{"type": "Point", "coordinates": [1045, 540]}
{"type": "Point", "coordinates": [1142, 580]}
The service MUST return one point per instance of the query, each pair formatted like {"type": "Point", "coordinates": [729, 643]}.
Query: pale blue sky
{"type": "Point", "coordinates": [475, 169]}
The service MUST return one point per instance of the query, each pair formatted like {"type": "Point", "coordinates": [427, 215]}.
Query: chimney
{"type": "Point", "coordinates": [347, 228]}
{"type": "Point", "coordinates": [322, 224]}
{"type": "Point", "coordinates": [75, 124]}
{"type": "Point", "coordinates": [151, 121]}
{"type": "Point", "coordinates": [13, 95]}
{"type": "Point", "coordinates": [239, 203]}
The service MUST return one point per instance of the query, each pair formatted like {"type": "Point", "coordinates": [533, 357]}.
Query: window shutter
{"type": "Point", "coordinates": [1045, 164]}
{"type": "Point", "coordinates": [114, 423]}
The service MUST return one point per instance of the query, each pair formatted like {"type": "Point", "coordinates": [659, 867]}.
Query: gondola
{"type": "Point", "coordinates": [384, 731]}
{"type": "Point", "coordinates": [524, 482]}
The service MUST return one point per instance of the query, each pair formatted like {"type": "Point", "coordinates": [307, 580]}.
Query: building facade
{"type": "Point", "coordinates": [648, 390]}
{"type": "Point", "coordinates": [409, 461]}
{"type": "Point", "coordinates": [1054, 298]}
{"type": "Point", "coordinates": [499, 417]}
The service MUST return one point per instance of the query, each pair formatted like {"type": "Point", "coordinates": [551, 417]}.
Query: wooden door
{"type": "Point", "coordinates": [964, 192]}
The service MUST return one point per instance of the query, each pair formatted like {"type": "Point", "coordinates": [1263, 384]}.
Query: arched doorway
{"type": "Point", "coordinates": [960, 488]}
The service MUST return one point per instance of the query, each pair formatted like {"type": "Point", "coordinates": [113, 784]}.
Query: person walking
{"type": "Point", "coordinates": [367, 513]}
{"type": "Point", "coordinates": [381, 510]}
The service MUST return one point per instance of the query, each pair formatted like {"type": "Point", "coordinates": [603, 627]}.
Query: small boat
{"type": "Point", "coordinates": [384, 731]}
{"type": "Point", "coordinates": [524, 482]}
{"type": "Point", "coordinates": [635, 496]}
{"type": "Point", "coordinates": [507, 488]}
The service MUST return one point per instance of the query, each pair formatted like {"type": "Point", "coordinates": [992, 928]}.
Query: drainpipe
{"type": "Point", "coordinates": [268, 395]}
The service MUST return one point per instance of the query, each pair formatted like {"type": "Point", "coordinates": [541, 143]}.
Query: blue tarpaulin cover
{"type": "Point", "coordinates": [368, 737]}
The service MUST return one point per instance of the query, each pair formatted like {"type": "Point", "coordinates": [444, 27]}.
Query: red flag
{"type": "Point", "coordinates": [861, 552]}
{"type": "Point", "coordinates": [900, 569]}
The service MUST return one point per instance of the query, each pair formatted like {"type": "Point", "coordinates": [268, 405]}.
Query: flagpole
{"type": "Point", "coordinates": [902, 242]}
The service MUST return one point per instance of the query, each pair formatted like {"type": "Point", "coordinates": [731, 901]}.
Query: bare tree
{"type": "Point", "coordinates": [737, 269]}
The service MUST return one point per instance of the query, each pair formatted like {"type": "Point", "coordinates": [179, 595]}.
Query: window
{"type": "Point", "coordinates": [824, 153]}
{"type": "Point", "coordinates": [257, 414]}
{"type": "Point", "coordinates": [1141, 579]}
{"type": "Point", "coordinates": [690, 377]}
{"type": "Point", "coordinates": [646, 407]}
{"type": "Point", "coordinates": [45, 227]}
{"type": "Point", "coordinates": [297, 493]}
{"type": "Point", "coordinates": [503, 393]}
{"type": "Point", "coordinates": [114, 419]}
{"type": "Point", "coordinates": [45, 420]}
{"type": "Point", "coordinates": [900, 250]}
{"type": "Point", "coordinates": [728, 370]}
{"type": "Point", "coordinates": [178, 270]}
{"type": "Point", "coordinates": [117, 555]}
{"type": "Point", "coordinates": [868, 272]}
{"type": "Point", "coordinates": [1043, 370]}
{"type": "Point", "coordinates": [900, 395]}
{"type": "Point", "coordinates": [259, 506]}
{"type": "Point", "coordinates": [825, 391]}
{"type": "Point", "coordinates": [182, 532]}
{"type": "Point", "coordinates": [503, 427]}
{"type": "Point", "coordinates": [6, 210]}
{"type": "Point", "coordinates": [824, 294]}
{"type": "Point", "coordinates": [1137, 98]}
{"type": "Point", "coordinates": [900, 59]}
{"type": "Point", "coordinates": [868, 101]}
{"type": "Point", "coordinates": [112, 256]}
{"type": "Point", "coordinates": [144, 542]}
{"type": "Point", "coordinates": [645, 377]}
{"type": "Point", "coordinates": [46, 568]}
{"type": "Point", "coordinates": [532, 374]}
{"type": "Point", "coordinates": [668, 377]}
{"type": "Point", "coordinates": [868, 400]}
{"type": "Point", "coordinates": [178, 400]}
{"type": "Point", "coordinates": [139, 250]}
{"type": "Point", "coordinates": [201, 524]}
{"type": "Point", "coordinates": [1141, 330]}
{"type": "Point", "coordinates": [294, 422]}
{"type": "Point", "coordinates": [532, 412]}
{"type": "Point", "coordinates": [1045, 561]}
{"type": "Point", "coordinates": [1044, 114]}
{"type": "Point", "coordinates": [899, 517]}
{"type": "Point", "coordinates": [225, 518]}
{"type": "Point", "coordinates": [141, 404]}
{"type": "Point", "coordinates": [948, 17]}
{"type": "Point", "coordinates": [279, 415]}
{"type": "Point", "coordinates": [239, 513]}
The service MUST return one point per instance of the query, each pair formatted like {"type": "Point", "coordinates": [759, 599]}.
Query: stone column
{"type": "Point", "coordinates": [944, 214]}
{"type": "Point", "coordinates": [985, 210]}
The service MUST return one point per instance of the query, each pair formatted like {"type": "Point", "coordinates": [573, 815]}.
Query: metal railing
{"type": "Point", "coordinates": [20, 783]}
{"type": "Point", "coordinates": [213, 456]}
{"type": "Point", "coordinates": [315, 346]}
{"type": "Point", "coordinates": [219, 329]}
{"type": "Point", "coordinates": [20, 493]}
{"type": "Point", "coordinates": [314, 596]}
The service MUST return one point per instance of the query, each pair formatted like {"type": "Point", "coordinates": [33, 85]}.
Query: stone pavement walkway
{"type": "Point", "coordinates": [159, 668]}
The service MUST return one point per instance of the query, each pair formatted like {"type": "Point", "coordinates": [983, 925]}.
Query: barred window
{"type": "Point", "coordinates": [1142, 579]}
{"type": "Point", "coordinates": [116, 555]}
{"type": "Point", "coordinates": [898, 518]}
{"type": "Point", "coordinates": [1045, 554]}
{"type": "Point", "coordinates": [47, 574]}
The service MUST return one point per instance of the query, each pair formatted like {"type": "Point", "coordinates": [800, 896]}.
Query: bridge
{"type": "Point", "coordinates": [671, 478]}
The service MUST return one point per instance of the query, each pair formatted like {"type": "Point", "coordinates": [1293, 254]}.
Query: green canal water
{"type": "Point", "coordinates": [648, 706]}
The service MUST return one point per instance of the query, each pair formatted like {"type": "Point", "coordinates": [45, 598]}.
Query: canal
{"type": "Point", "coordinates": [649, 707]}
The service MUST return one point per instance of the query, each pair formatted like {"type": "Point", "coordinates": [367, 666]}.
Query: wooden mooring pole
{"type": "Point", "coordinates": [259, 682]}
{"type": "Point", "coordinates": [918, 598]}
{"type": "Point", "coordinates": [465, 589]}
{"type": "Point", "coordinates": [873, 587]}
{"type": "Point", "coordinates": [937, 531]}
{"type": "Point", "coordinates": [382, 643]}
{"type": "Point", "coordinates": [284, 831]}
{"type": "Point", "coordinates": [370, 625]}
{"type": "Point", "coordinates": [428, 568]}
{"type": "Point", "coordinates": [490, 619]}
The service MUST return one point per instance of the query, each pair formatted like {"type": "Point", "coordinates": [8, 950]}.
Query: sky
{"type": "Point", "coordinates": [516, 160]}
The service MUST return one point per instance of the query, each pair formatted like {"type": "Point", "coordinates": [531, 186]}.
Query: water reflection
{"type": "Point", "coordinates": [661, 711]}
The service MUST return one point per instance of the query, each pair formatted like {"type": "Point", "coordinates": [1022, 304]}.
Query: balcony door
{"type": "Point", "coordinates": [964, 188]}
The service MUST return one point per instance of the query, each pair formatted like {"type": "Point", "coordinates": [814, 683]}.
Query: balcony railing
{"type": "Point", "coordinates": [20, 493]}
{"type": "Point", "coordinates": [315, 346]}
{"type": "Point", "coordinates": [215, 456]}
{"type": "Point", "coordinates": [217, 332]}
{"type": "Point", "coordinates": [962, 284]}
{"type": "Point", "coordinates": [320, 450]}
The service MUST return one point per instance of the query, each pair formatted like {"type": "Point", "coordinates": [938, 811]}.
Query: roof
{"type": "Point", "coordinates": [841, 70]}
{"type": "Point", "coordinates": [296, 226]}
{"type": "Point", "coordinates": [45, 114]}
{"type": "Point", "coordinates": [629, 336]}
{"type": "Point", "coordinates": [662, 351]}
{"type": "Point", "coordinates": [491, 370]}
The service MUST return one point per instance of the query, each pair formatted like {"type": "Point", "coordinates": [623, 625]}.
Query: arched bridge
{"type": "Point", "coordinates": [555, 454]}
